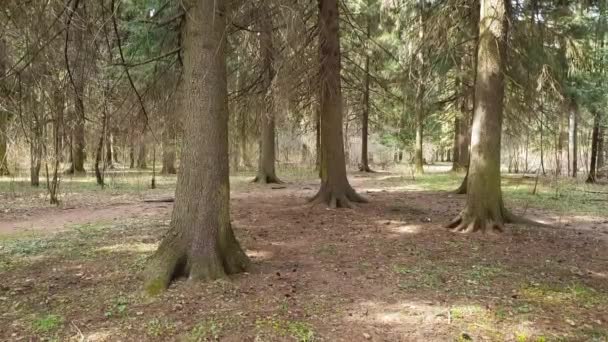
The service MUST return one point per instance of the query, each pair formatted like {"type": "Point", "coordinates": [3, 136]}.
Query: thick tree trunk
{"type": "Point", "coordinates": [267, 155]}
{"type": "Point", "coordinates": [318, 138]}
{"type": "Point", "coordinates": [484, 208]}
{"type": "Point", "coordinates": [572, 140]}
{"type": "Point", "coordinates": [200, 243]}
{"type": "Point", "coordinates": [592, 177]}
{"type": "Point", "coordinates": [335, 189]}
{"type": "Point", "coordinates": [110, 158]}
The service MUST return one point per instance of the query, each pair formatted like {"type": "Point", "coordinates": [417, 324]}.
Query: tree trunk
{"type": "Point", "coordinates": [592, 177]}
{"type": "Point", "coordinates": [600, 148]}
{"type": "Point", "coordinates": [78, 87]}
{"type": "Point", "coordinates": [335, 189]}
{"type": "Point", "coordinates": [267, 155]}
{"type": "Point", "coordinates": [484, 208]}
{"type": "Point", "coordinates": [3, 143]}
{"type": "Point", "coordinates": [418, 156]}
{"type": "Point", "coordinates": [455, 165]}
{"type": "Point", "coordinates": [3, 115]}
{"type": "Point", "coordinates": [200, 243]}
{"type": "Point", "coordinates": [142, 152]}
{"type": "Point", "coordinates": [572, 140]}
{"type": "Point", "coordinates": [318, 138]}
{"type": "Point", "coordinates": [110, 158]}
{"type": "Point", "coordinates": [169, 135]}
{"type": "Point", "coordinates": [364, 165]}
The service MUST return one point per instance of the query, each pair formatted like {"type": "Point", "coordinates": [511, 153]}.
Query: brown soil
{"type": "Point", "coordinates": [384, 271]}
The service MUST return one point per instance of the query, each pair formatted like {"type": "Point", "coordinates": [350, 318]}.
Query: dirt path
{"type": "Point", "coordinates": [57, 219]}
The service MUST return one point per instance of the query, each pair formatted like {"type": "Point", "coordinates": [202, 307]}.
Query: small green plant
{"type": "Point", "coordinates": [156, 327]}
{"type": "Point", "coordinates": [47, 323]}
{"type": "Point", "coordinates": [118, 308]}
{"type": "Point", "coordinates": [301, 331]}
{"type": "Point", "coordinates": [208, 330]}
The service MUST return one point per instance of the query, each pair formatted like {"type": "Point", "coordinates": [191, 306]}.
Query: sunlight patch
{"type": "Point", "coordinates": [407, 229]}
{"type": "Point", "coordinates": [259, 255]}
{"type": "Point", "coordinates": [130, 247]}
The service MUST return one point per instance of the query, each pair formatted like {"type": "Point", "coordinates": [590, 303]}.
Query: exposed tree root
{"type": "Point", "coordinates": [469, 223]}
{"type": "Point", "coordinates": [267, 179]}
{"type": "Point", "coordinates": [337, 199]}
{"type": "Point", "coordinates": [175, 259]}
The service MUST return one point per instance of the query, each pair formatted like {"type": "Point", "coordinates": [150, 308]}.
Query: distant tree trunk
{"type": "Point", "coordinates": [267, 155]}
{"type": "Point", "coordinates": [3, 143]}
{"type": "Point", "coordinates": [98, 159]}
{"type": "Point", "coordinates": [132, 155]}
{"type": "Point", "coordinates": [79, 71]}
{"type": "Point", "coordinates": [592, 177]}
{"type": "Point", "coordinates": [448, 155]}
{"type": "Point", "coordinates": [110, 158]}
{"type": "Point", "coordinates": [200, 243]}
{"type": "Point", "coordinates": [572, 140]}
{"type": "Point", "coordinates": [318, 138]}
{"type": "Point", "coordinates": [484, 208]}
{"type": "Point", "coordinates": [169, 136]}
{"type": "Point", "coordinates": [36, 151]}
{"type": "Point", "coordinates": [335, 189]}
{"type": "Point", "coordinates": [455, 165]}
{"type": "Point", "coordinates": [142, 152]}
{"type": "Point", "coordinates": [542, 150]}
{"type": "Point", "coordinates": [3, 115]}
{"type": "Point", "coordinates": [600, 148]}
{"type": "Point", "coordinates": [364, 165]}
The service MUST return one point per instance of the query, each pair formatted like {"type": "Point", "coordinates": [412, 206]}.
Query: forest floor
{"type": "Point", "coordinates": [383, 271]}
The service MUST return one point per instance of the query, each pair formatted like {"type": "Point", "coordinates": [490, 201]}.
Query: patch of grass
{"type": "Point", "coordinates": [419, 277]}
{"type": "Point", "coordinates": [300, 331]}
{"type": "Point", "coordinates": [208, 330]}
{"type": "Point", "coordinates": [576, 294]}
{"type": "Point", "coordinates": [329, 249]}
{"type": "Point", "coordinates": [118, 307]}
{"type": "Point", "coordinates": [482, 274]}
{"type": "Point", "coordinates": [47, 323]}
{"type": "Point", "coordinates": [159, 327]}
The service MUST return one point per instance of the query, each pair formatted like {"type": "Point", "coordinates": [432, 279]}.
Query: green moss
{"type": "Point", "coordinates": [155, 287]}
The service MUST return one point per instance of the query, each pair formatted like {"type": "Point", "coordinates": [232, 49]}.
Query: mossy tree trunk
{"type": "Point", "coordinates": [484, 210]}
{"type": "Point", "coordinates": [335, 189]}
{"type": "Point", "coordinates": [200, 243]}
{"type": "Point", "coordinates": [267, 156]}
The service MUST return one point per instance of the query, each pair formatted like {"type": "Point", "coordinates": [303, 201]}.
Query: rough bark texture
{"type": "Point", "coordinates": [600, 148]}
{"type": "Point", "coordinates": [484, 210]}
{"type": "Point", "coordinates": [592, 177]}
{"type": "Point", "coordinates": [200, 243]}
{"type": "Point", "coordinates": [267, 157]}
{"type": "Point", "coordinates": [335, 189]}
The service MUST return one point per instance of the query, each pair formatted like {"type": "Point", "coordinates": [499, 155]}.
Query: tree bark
{"type": "Point", "coordinates": [335, 189]}
{"type": "Point", "coordinates": [142, 152]}
{"type": "Point", "coordinates": [200, 243]}
{"type": "Point", "coordinates": [267, 155]}
{"type": "Point", "coordinates": [484, 210]}
{"type": "Point", "coordinates": [592, 177]}
{"type": "Point", "coordinates": [364, 165]}
{"type": "Point", "coordinates": [78, 88]}
{"type": "Point", "coordinates": [600, 148]}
